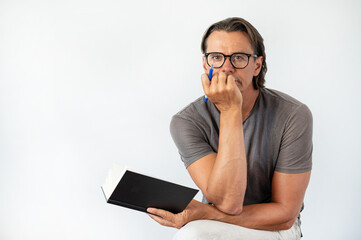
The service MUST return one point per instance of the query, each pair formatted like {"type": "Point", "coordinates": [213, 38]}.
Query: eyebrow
{"type": "Point", "coordinates": [244, 52]}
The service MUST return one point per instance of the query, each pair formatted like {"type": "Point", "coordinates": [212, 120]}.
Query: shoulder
{"type": "Point", "coordinates": [284, 104]}
{"type": "Point", "coordinates": [280, 97]}
{"type": "Point", "coordinates": [190, 129]}
{"type": "Point", "coordinates": [191, 109]}
{"type": "Point", "coordinates": [197, 112]}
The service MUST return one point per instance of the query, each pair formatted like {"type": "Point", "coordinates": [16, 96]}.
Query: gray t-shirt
{"type": "Point", "coordinates": [277, 134]}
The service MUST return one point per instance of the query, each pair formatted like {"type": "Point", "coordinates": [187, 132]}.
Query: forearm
{"type": "Point", "coordinates": [266, 216]}
{"type": "Point", "coordinates": [288, 191]}
{"type": "Point", "coordinates": [228, 178]}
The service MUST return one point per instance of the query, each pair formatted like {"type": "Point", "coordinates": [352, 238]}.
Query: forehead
{"type": "Point", "coordinates": [229, 42]}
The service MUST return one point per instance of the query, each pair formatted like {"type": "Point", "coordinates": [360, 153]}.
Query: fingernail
{"type": "Point", "coordinates": [149, 210]}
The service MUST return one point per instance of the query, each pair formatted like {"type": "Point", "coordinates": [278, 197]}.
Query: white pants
{"type": "Point", "coordinates": [214, 230]}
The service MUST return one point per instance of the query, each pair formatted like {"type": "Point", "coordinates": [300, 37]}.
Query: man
{"type": "Point", "coordinates": [248, 148]}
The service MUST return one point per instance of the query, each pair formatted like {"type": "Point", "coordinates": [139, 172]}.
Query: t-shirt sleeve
{"type": "Point", "coordinates": [189, 139]}
{"type": "Point", "coordinates": [295, 154]}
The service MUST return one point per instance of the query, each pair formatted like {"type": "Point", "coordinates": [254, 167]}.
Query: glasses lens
{"type": "Point", "coordinates": [215, 59]}
{"type": "Point", "coordinates": [239, 60]}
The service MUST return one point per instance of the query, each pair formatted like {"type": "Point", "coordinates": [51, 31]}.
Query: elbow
{"type": "Point", "coordinates": [231, 209]}
{"type": "Point", "coordinates": [230, 206]}
{"type": "Point", "coordinates": [288, 225]}
{"type": "Point", "coordinates": [289, 221]}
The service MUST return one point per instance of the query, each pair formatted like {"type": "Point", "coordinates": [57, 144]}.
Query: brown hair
{"type": "Point", "coordinates": [236, 24]}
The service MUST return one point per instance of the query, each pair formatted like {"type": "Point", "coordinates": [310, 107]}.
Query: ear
{"type": "Point", "coordinates": [205, 66]}
{"type": "Point", "coordinates": [258, 65]}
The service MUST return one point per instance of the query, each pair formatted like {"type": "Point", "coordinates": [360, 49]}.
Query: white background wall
{"type": "Point", "coordinates": [86, 84]}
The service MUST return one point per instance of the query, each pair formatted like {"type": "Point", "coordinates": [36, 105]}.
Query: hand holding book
{"type": "Point", "coordinates": [194, 211]}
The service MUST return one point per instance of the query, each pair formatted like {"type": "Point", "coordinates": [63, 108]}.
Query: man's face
{"type": "Point", "coordinates": [229, 43]}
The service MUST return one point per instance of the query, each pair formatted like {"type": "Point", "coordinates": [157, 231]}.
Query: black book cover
{"type": "Point", "coordinates": [138, 192]}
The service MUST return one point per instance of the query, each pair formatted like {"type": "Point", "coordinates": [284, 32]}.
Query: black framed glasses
{"type": "Point", "coordinates": [238, 60]}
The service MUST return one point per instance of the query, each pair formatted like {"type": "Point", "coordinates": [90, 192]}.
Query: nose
{"type": "Point", "coordinates": [227, 67]}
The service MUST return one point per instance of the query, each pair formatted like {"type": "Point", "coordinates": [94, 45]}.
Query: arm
{"type": "Point", "coordinates": [288, 192]}
{"type": "Point", "coordinates": [280, 214]}
{"type": "Point", "coordinates": [222, 177]}
{"type": "Point", "coordinates": [288, 189]}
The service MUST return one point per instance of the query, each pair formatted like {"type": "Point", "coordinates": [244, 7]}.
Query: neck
{"type": "Point", "coordinates": [249, 99]}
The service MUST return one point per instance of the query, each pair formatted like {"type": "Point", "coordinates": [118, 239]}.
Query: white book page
{"type": "Point", "coordinates": [114, 175]}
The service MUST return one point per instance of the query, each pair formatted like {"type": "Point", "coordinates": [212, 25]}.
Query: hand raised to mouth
{"type": "Point", "coordinates": [222, 90]}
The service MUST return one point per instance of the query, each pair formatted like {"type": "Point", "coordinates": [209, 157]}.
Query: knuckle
{"type": "Point", "coordinates": [204, 77]}
{"type": "Point", "coordinates": [211, 92]}
{"type": "Point", "coordinates": [164, 214]}
{"type": "Point", "coordinates": [167, 216]}
{"type": "Point", "coordinates": [229, 87]}
{"type": "Point", "coordinates": [223, 90]}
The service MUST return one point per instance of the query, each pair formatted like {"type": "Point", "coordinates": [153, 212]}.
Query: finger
{"type": "Point", "coordinates": [206, 83]}
{"type": "Point", "coordinates": [162, 213]}
{"type": "Point", "coordinates": [162, 221]}
{"type": "Point", "coordinates": [215, 78]}
{"type": "Point", "coordinates": [214, 84]}
{"type": "Point", "coordinates": [231, 81]}
{"type": "Point", "coordinates": [222, 81]}
{"type": "Point", "coordinates": [222, 78]}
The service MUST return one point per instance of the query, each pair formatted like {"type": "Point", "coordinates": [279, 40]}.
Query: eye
{"type": "Point", "coordinates": [239, 57]}
{"type": "Point", "coordinates": [215, 57]}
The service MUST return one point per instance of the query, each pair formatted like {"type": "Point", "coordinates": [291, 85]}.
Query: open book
{"type": "Point", "coordinates": [137, 191]}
